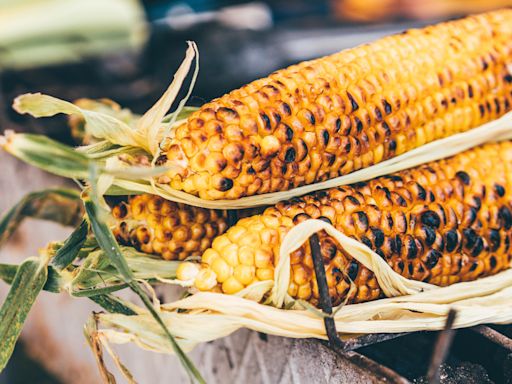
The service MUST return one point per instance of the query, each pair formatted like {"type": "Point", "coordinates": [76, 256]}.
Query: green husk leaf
{"type": "Point", "coordinates": [71, 247]}
{"type": "Point", "coordinates": [113, 304]}
{"type": "Point", "coordinates": [60, 205]}
{"type": "Point", "coordinates": [47, 154]}
{"type": "Point", "coordinates": [109, 245]}
{"type": "Point", "coordinates": [53, 282]}
{"type": "Point", "coordinates": [29, 280]}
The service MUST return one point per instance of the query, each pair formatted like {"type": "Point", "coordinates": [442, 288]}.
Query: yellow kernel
{"type": "Point", "coordinates": [220, 242]}
{"type": "Point", "coordinates": [221, 269]}
{"type": "Point", "coordinates": [270, 221]}
{"type": "Point", "coordinates": [230, 254]}
{"type": "Point", "coordinates": [265, 273]}
{"type": "Point", "coordinates": [246, 255]}
{"type": "Point", "coordinates": [205, 279]}
{"type": "Point", "coordinates": [304, 292]}
{"type": "Point", "coordinates": [262, 258]}
{"type": "Point", "coordinates": [187, 271]}
{"type": "Point", "coordinates": [251, 239]}
{"type": "Point", "coordinates": [244, 274]}
{"type": "Point", "coordinates": [293, 289]}
{"type": "Point", "coordinates": [231, 286]}
{"type": "Point", "coordinates": [236, 233]}
{"type": "Point", "coordinates": [209, 256]}
{"type": "Point", "coordinates": [269, 146]}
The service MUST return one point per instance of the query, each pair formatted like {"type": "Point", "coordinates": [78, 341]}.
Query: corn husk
{"type": "Point", "coordinates": [411, 305]}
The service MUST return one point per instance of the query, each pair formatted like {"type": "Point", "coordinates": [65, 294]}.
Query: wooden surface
{"type": "Point", "coordinates": [53, 333]}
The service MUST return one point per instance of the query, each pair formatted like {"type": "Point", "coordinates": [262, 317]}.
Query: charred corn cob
{"type": "Point", "coordinates": [443, 222]}
{"type": "Point", "coordinates": [331, 116]}
{"type": "Point", "coordinates": [157, 226]}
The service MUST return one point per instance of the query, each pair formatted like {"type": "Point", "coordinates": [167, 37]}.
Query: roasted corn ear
{"type": "Point", "coordinates": [171, 230]}
{"type": "Point", "coordinates": [443, 222]}
{"type": "Point", "coordinates": [328, 117]}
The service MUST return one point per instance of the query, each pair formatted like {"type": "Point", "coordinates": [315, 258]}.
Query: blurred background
{"type": "Point", "coordinates": [128, 50]}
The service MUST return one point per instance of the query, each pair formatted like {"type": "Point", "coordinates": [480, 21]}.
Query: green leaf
{"type": "Point", "coordinates": [53, 282]}
{"type": "Point", "coordinates": [112, 304]}
{"type": "Point", "coordinates": [60, 205]}
{"type": "Point", "coordinates": [47, 154]}
{"type": "Point", "coordinates": [30, 279]}
{"type": "Point", "coordinates": [69, 251]}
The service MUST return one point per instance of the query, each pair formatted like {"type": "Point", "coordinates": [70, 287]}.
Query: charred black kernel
{"type": "Point", "coordinates": [497, 106]}
{"type": "Point", "coordinates": [311, 118]}
{"type": "Point", "coordinates": [353, 200]}
{"type": "Point", "coordinates": [401, 265]}
{"type": "Point", "coordinates": [386, 128]}
{"type": "Point", "coordinates": [478, 202]}
{"type": "Point", "coordinates": [392, 145]}
{"type": "Point", "coordinates": [387, 107]}
{"type": "Point", "coordinates": [338, 124]}
{"type": "Point", "coordinates": [386, 192]}
{"type": "Point", "coordinates": [286, 109]}
{"type": "Point", "coordinates": [378, 114]}
{"type": "Point", "coordinates": [464, 177]}
{"type": "Point", "coordinates": [493, 262]}
{"type": "Point", "coordinates": [225, 184]}
{"type": "Point", "coordinates": [354, 104]}
{"type": "Point", "coordinates": [482, 110]}
{"type": "Point", "coordinates": [470, 237]}
{"type": "Point", "coordinates": [508, 78]}
{"type": "Point", "coordinates": [431, 219]}
{"type": "Point", "coordinates": [452, 239]}
{"type": "Point", "coordinates": [507, 244]}
{"type": "Point", "coordinates": [378, 235]}
{"type": "Point", "coordinates": [410, 267]}
{"type": "Point", "coordinates": [348, 146]}
{"type": "Point", "coordinates": [325, 137]}
{"type": "Point", "coordinates": [506, 216]}
{"type": "Point", "coordinates": [401, 201]}
{"type": "Point", "coordinates": [422, 194]}
{"type": "Point", "coordinates": [473, 267]}
{"type": "Point", "coordinates": [300, 217]}
{"type": "Point", "coordinates": [380, 253]}
{"type": "Point", "coordinates": [485, 65]}
{"type": "Point", "coordinates": [488, 105]}
{"type": "Point", "coordinates": [362, 218]}
{"type": "Point", "coordinates": [162, 159]}
{"type": "Point", "coordinates": [477, 249]}
{"type": "Point", "coordinates": [494, 237]}
{"type": "Point", "coordinates": [284, 168]}
{"type": "Point", "coordinates": [289, 133]}
{"type": "Point", "coordinates": [432, 258]}
{"type": "Point", "coordinates": [470, 215]}
{"type": "Point", "coordinates": [444, 102]}
{"type": "Point", "coordinates": [360, 184]}
{"type": "Point", "coordinates": [328, 250]}
{"type": "Point", "coordinates": [499, 190]}
{"type": "Point", "coordinates": [430, 235]}
{"type": "Point", "coordinates": [393, 178]}
{"type": "Point", "coordinates": [353, 269]}
{"type": "Point", "coordinates": [289, 156]}
{"type": "Point", "coordinates": [366, 241]}
{"type": "Point", "coordinates": [330, 158]}
{"type": "Point", "coordinates": [390, 220]}
{"type": "Point", "coordinates": [251, 170]}
{"type": "Point", "coordinates": [325, 219]}
{"type": "Point", "coordinates": [412, 249]}
{"type": "Point", "coordinates": [470, 91]}
{"type": "Point", "coordinates": [431, 196]}
{"type": "Point", "coordinates": [266, 120]}
{"type": "Point", "coordinates": [398, 244]}
{"type": "Point", "coordinates": [359, 124]}
{"type": "Point", "coordinates": [453, 100]}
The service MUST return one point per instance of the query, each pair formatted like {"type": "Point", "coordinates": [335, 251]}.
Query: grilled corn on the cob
{"type": "Point", "coordinates": [331, 116]}
{"type": "Point", "coordinates": [174, 231]}
{"type": "Point", "coordinates": [443, 222]}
